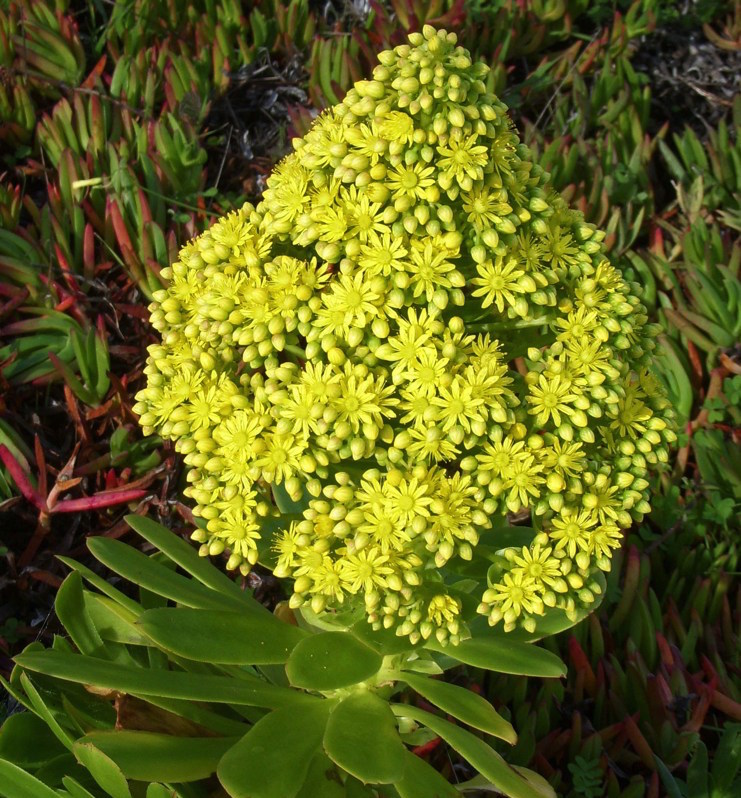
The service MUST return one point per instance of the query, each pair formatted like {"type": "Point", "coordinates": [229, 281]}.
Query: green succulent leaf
{"type": "Point", "coordinates": [42, 710]}
{"type": "Point", "coordinates": [246, 690]}
{"type": "Point", "coordinates": [103, 586]}
{"type": "Point", "coordinates": [16, 783]}
{"type": "Point", "coordinates": [72, 611]}
{"type": "Point", "coordinates": [420, 780]}
{"type": "Point", "coordinates": [103, 769]}
{"type": "Point", "coordinates": [146, 756]}
{"type": "Point", "coordinates": [151, 575]}
{"type": "Point", "coordinates": [727, 761]}
{"type": "Point", "coordinates": [480, 755]}
{"type": "Point", "coordinates": [224, 637]}
{"type": "Point", "coordinates": [27, 741]}
{"type": "Point", "coordinates": [273, 758]}
{"type": "Point", "coordinates": [330, 661]}
{"type": "Point", "coordinates": [504, 655]}
{"type": "Point", "coordinates": [462, 704]}
{"type": "Point", "coordinates": [112, 621]}
{"type": "Point", "coordinates": [362, 739]}
{"type": "Point", "coordinates": [184, 555]}
{"type": "Point", "coordinates": [322, 780]}
{"type": "Point", "coordinates": [74, 788]}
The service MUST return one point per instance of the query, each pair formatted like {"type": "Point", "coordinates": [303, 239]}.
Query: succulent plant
{"type": "Point", "coordinates": [112, 126]}
{"type": "Point", "coordinates": [409, 338]}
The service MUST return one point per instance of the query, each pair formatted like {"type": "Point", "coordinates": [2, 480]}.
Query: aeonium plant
{"type": "Point", "coordinates": [410, 383]}
{"type": "Point", "coordinates": [409, 342]}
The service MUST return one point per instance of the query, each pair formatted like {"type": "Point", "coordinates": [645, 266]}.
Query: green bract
{"type": "Point", "coordinates": [411, 338]}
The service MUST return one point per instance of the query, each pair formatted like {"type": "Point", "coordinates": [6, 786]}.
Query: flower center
{"type": "Point", "coordinates": [409, 180]}
{"type": "Point", "coordinates": [406, 503]}
{"type": "Point", "coordinates": [354, 299]}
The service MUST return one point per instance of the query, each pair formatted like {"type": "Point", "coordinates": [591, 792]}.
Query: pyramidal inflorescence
{"type": "Point", "coordinates": [409, 339]}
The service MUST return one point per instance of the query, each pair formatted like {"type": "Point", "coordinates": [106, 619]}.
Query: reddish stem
{"type": "Point", "coordinates": [21, 478]}
{"type": "Point", "coordinates": [99, 500]}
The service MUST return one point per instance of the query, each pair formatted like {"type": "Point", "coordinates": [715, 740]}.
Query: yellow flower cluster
{"type": "Point", "coordinates": [410, 338]}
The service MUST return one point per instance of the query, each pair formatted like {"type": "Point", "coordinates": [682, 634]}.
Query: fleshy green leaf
{"type": "Point", "coordinates": [322, 780]}
{"type": "Point", "coordinates": [58, 768]}
{"type": "Point", "coordinates": [356, 789]}
{"type": "Point", "coordinates": [184, 555]}
{"type": "Point", "coordinates": [43, 711]}
{"type": "Point", "coordinates": [273, 758]}
{"type": "Point", "coordinates": [112, 621]}
{"type": "Point", "coordinates": [151, 575]}
{"type": "Point", "coordinates": [697, 772]}
{"type": "Point", "coordinates": [331, 660]}
{"type": "Point", "coordinates": [166, 684]}
{"type": "Point", "coordinates": [727, 759]}
{"type": "Point", "coordinates": [103, 769]}
{"type": "Point", "coordinates": [27, 741]}
{"type": "Point", "coordinates": [16, 783]}
{"type": "Point", "coordinates": [71, 610]}
{"type": "Point", "coordinates": [503, 655]}
{"type": "Point", "coordinates": [103, 585]}
{"type": "Point", "coordinates": [462, 704]}
{"type": "Point", "coordinates": [362, 739]}
{"type": "Point", "coordinates": [224, 637]}
{"type": "Point", "coordinates": [480, 755]}
{"type": "Point", "coordinates": [146, 756]}
{"type": "Point", "coordinates": [74, 788]}
{"type": "Point", "coordinates": [421, 780]}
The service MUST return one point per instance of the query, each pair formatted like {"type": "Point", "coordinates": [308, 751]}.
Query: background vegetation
{"type": "Point", "coordinates": [126, 127]}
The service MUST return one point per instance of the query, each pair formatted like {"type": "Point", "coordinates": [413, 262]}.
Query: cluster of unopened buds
{"type": "Point", "coordinates": [408, 341]}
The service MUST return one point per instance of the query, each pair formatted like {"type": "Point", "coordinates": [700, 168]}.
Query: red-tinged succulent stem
{"type": "Point", "coordinates": [99, 500]}
{"type": "Point", "coordinates": [726, 705]}
{"type": "Point", "coordinates": [46, 577]}
{"type": "Point", "coordinates": [14, 302]}
{"type": "Point", "coordinates": [21, 478]}
{"type": "Point", "coordinates": [426, 748]}
{"type": "Point", "coordinates": [639, 742]}
{"type": "Point", "coordinates": [38, 451]}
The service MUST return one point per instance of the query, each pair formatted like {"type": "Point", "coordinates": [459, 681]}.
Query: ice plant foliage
{"type": "Point", "coordinates": [410, 338]}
